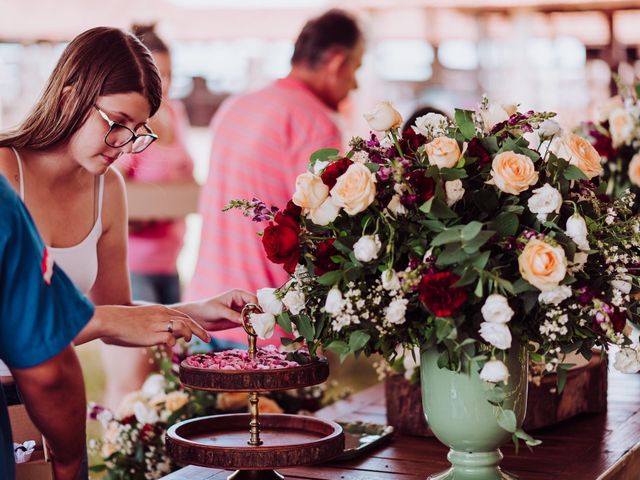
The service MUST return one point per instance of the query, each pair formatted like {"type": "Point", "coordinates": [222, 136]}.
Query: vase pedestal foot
{"type": "Point", "coordinates": [255, 475]}
{"type": "Point", "coordinates": [473, 466]}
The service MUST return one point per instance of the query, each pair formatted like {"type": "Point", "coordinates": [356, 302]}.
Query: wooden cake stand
{"type": "Point", "coordinates": [275, 440]}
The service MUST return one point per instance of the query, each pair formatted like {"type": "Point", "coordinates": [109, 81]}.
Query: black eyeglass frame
{"type": "Point", "coordinates": [134, 136]}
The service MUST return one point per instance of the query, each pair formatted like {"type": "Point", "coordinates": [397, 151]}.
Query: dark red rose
{"type": "Point", "coordinates": [324, 251]}
{"type": "Point", "coordinates": [436, 292]}
{"type": "Point", "coordinates": [334, 170]}
{"type": "Point", "coordinates": [475, 149]}
{"type": "Point", "coordinates": [280, 241]}
{"type": "Point", "coordinates": [293, 211]}
{"type": "Point", "coordinates": [411, 141]}
{"type": "Point", "coordinates": [147, 432]}
{"type": "Point", "coordinates": [618, 319]}
{"type": "Point", "coordinates": [602, 143]}
{"type": "Point", "coordinates": [423, 188]}
{"type": "Point", "coordinates": [129, 420]}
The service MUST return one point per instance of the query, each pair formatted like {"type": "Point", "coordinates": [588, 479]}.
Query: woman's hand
{"type": "Point", "coordinates": [145, 326]}
{"type": "Point", "coordinates": [220, 312]}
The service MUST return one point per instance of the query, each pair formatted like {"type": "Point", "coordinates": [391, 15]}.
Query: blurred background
{"type": "Point", "coordinates": [543, 54]}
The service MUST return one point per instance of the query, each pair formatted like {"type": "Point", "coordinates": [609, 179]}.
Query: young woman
{"type": "Point", "coordinates": [95, 107]}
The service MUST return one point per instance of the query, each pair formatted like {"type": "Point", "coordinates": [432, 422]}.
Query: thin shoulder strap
{"type": "Point", "coordinates": [100, 196]}
{"type": "Point", "coordinates": [15, 152]}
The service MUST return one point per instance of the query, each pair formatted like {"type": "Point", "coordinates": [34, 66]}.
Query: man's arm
{"type": "Point", "coordinates": [55, 399]}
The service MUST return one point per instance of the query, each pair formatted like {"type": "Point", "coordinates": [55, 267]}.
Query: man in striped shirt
{"type": "Point", "coordinates": [261, 143]}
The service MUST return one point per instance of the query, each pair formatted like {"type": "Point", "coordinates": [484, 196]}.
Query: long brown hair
{"type": "Point", "coordinates": [100, 61]}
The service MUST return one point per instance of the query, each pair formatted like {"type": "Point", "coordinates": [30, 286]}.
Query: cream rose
{"type": "Point", "coordinates": [355, 189]}
{"type": "Point", "coordinates": [542, 265]}
{"type": "Point", "coordinates": [443, 152]}
{"type": "Point", "coordinates": [621, 125]}
{"type": "Point", "coordinates": [454, 191]}
{"type": "Point", "coordinates": [176, 400]}
{"type": "Point", "coordinates": [545, 200]}
{"type": "Point", "coordinates": [496, 309]}
{"type": "Point", "coordinates": [395, 206]}
{"type": "Point", "coordinates": [431, 125]}
{"type": "Point", "coordinates": [555, 296]}
{"type": "Point", "coordinates": [294, 300]}
{"type": "Point", "coordinates": [579, 152]}
{"type": "Point", "coordinates": [325, 213]}
{"type": "Point", "coordinates": [513, 172]}
{"type": "Point", "coordinates": [334, 303]}
{"type": "Point", "coordinates": [495, 114]}
{"type": "Point", "coordinates": [383, 117]}
{"type": "Point", "coordinates": [367, 248]}
{"type": "Point", "coordinates": [497, 334]}
{"type": "Point", "coordinates": [268, 301]}
{"type": "Point", "coordinates": [310, 191]}
{"type": "Point", "coordinates": [263, 324]}
{"type": "Point", "coordinates": [634, 170]}
{"type": "Point", "coordinates": [628, 359]}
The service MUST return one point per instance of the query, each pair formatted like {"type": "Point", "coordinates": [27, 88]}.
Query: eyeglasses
{"type": "Point", "coordinates": [120, 135]}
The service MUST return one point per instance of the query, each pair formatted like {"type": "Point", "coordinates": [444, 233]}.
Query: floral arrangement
{"type": "Point", "coordinates": [460, 236]}
{"type": "Point", "coordinates": [615, 134]}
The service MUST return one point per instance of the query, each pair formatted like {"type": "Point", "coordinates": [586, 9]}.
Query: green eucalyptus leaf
{"type": "Point", "coordinates": [574, 173]}
{"type": "Point", "coordinates": [448, 236]}
{"type": "Point", "coordinates": [464, 120]}
{"type": "Point", "coordinates": [470, 230]}
{"type": "Point", "coordinates": [506, 224]}
{"type": "Point", "coordinates": [339, 347]}
{"type": "Point", "coordinates": [306, 328]}
{"type": "Point", "coordinates": [284, 321]}
{"type": "Point", "coordinates": [358, 339]}
{"type": "Point", "coordinates": [452, 173]}
{"type": "Point", "coordinates": [330, 278]}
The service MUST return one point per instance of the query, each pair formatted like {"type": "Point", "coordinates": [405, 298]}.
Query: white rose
{"type": "Point", "coordinates": [310, 191]}
{"type": "Point", "coordinates": [383, 117]}
{"type": "Point", "coordinates": [325, 213]}
{"type": "Point", "coordinates": [319, 166]}
{"type": "Point", "coordinates": [367, 248]}
{"type": "Point", "coordinates": [294, 300]}
{"type": "Point", "coordinates": [497, 334]}
{"type": "Point", "coordinates": [263, 324]}
{"type": "Point", "coordinates": [443, 152]}
{"type": "Point", "coordinates": [622, 283]}
{"type": "Point", "coordinates": [576, 229]}
{"type": "Point", "coordinates": [579, 259]}
{"type": "Point", "coordinates": [153, 385]}
{"type": "Point", "coordinates": [634, 170]}
{"type": "Point", "coordinates": [454, 191]}
{"type": "Point", "coordinates": [144, 414]}
{"type": "Point", "coordinates": [395, 312]}
{"type": "Point", "coordinates": [268, 301]}
{"type": "Point", "coordinates": [355, 189]}
{"type": "Point", "coordinates": [431, 125]}
{"type": "Point", "coordinates": [621, 126]}
{"type": "Point", "coordinates": [496, 309]}
{"type": "Point", "coordinates": [410, 362]}
{"type": "Point", "coordinates": [493, 115]}
{"type": "Point", "coordinates": [494, 371]}
{"type": "Point", "coordinates": [628, 359]}
{"type": "Point", "coordinates": [395, 206]}
{"type": "Point", "coordinates": [390, 280]}
{"type": "Point", "coordinates": [549, 128]}
{"type": "Point", "coordinates": [545, 200]}
{"type": "Point", "coordinates": [334, 302]}
{"type": "Point", "coordinates": [555, 296]}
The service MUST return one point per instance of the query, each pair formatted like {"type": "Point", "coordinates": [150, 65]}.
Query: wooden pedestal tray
{"type": "Point", "coordinates": [275, 440]}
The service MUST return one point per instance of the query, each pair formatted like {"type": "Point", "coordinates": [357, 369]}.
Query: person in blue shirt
{"type": "Point", "coordinates": [41, 312]}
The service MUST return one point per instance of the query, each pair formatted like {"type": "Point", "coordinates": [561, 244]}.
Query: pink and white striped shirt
{"type": "Point", "coordinates": [261, 143]}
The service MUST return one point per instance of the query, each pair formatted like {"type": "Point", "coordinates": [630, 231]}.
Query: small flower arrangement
{"type": "Point", "coordinates": [459, 236]}
{"type": "Point", "coordinates": [133, 444]}
{"type": "Point", "coordinates": [615, 134]}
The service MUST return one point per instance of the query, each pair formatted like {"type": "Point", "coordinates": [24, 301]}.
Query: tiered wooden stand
{"type": "Point", "coordinates": [254, 444]}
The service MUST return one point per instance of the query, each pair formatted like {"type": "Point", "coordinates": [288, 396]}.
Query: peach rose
{"type": "Point", "coordinates": [176, 400]}
{"type": "Point", "coordinates": [267, 405]}
{"type": "Point", "coordinates": [621, 126]}
{"type": "Point", "coordinates": [310, 191]}
{"type": "Point", "coordinates": [513, 172]}
{"type": "Point", "coordinates": [634, 170]}
{"type": "Point", "coordinates": [542, 265]}
{"type": "Point", "coordinates": [579, 152]}
{"type": "Point", "coordinates": [443, 152]}
{"type": "Point", "coordinates": [355, 189]}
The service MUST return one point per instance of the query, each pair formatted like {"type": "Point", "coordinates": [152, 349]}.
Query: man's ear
{"type": "Point", "coordinates": [335, 60]}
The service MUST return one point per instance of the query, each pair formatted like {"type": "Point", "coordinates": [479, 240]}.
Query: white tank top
{"type": "Point", "coordinates": [79, 262]}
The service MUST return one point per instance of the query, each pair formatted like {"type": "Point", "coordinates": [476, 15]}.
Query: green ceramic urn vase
{"type": "Point", "coordinates": [457, 410]}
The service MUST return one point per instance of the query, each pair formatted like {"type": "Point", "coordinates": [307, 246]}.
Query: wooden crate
{"type": "Point", "coordinates": [22, 428]}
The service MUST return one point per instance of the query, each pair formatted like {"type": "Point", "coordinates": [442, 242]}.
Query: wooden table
{"type": "Point", "coordinates": [589, 447]}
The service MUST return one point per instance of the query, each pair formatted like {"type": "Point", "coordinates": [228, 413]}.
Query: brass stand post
{"type": "Point", "coordinates": [254, 424]}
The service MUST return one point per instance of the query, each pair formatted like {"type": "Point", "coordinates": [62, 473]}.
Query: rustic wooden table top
{"type": "Point", "coordinates": [590, 447]}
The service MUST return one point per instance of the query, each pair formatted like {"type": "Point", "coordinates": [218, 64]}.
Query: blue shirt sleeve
{"type": "Point", "coordinates": [41, 311]}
